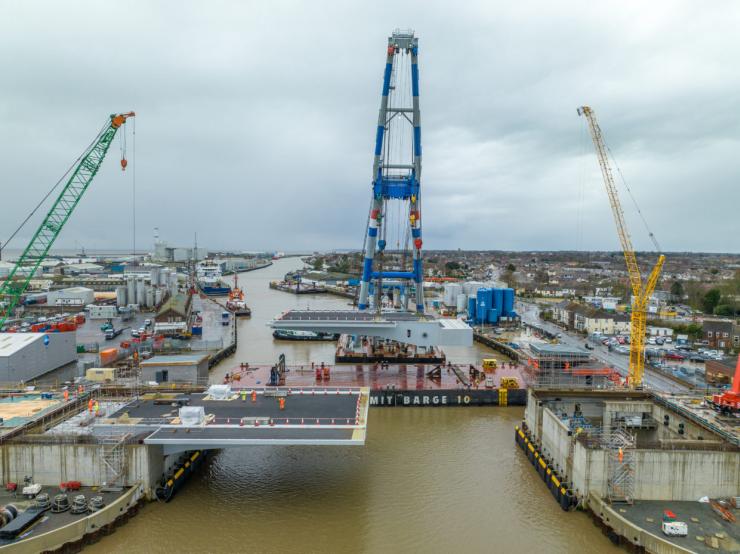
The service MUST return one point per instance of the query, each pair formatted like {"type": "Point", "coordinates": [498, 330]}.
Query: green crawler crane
{"type": "Point", "coordinates": [36, 251]}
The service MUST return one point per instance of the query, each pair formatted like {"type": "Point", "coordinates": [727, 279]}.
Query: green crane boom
{"type": "Point", "coordinates": [82, 175]}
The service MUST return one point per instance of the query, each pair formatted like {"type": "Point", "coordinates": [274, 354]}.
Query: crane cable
{"type": "Point", "coordinates": [46, 196]}
{"type": "Point", "coordinates": [634, 200]}
{"type": "Point", "coordinates": [133, 171]}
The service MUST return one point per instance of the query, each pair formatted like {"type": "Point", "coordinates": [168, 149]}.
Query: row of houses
{"type": "Point", "coordinates": [588, 319]}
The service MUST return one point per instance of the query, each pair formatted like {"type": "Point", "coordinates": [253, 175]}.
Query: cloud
{"type": "Point", "coordinates": [255, 120]}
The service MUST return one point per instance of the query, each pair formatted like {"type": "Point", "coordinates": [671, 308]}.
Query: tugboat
{"type": "Point", "coordinates": [236, 304]}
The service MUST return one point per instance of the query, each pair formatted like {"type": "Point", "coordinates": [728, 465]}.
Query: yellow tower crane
{"type": "Point", "coordinates": [640, 292]}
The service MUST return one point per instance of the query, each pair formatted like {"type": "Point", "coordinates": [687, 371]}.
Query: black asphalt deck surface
{"type": "Point", "coordinates": [307, 406]}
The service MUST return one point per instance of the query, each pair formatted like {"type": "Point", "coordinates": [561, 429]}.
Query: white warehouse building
{"type": "Point", "coordinates": [75, 296]}
{"type": "Point", "coordinates": [26, 356]}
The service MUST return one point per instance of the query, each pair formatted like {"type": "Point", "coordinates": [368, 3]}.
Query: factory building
{"type": "Point", "coordinates": [183, 368]}
{"type": "Point", "coordinates": [26, 356]}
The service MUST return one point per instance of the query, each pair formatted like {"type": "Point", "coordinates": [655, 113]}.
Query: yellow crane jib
{"type": "Point", "coordinates": [640, 293]}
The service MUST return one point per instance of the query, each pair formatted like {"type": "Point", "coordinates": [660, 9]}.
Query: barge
{"type": "Point", "coordinates": [296, 288]}
{"type": "Point", "coordinates": [397, 385]}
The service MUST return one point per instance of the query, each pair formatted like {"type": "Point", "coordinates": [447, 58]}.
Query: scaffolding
{"type": "Point", "coordinates": [619, 446]}
{"type": "Point", "coordinates": [551, 366]}
{"type": "Point", "coordinates": [113, 459]}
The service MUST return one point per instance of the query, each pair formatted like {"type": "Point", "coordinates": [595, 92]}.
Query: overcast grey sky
{"type": "Point", "coordinates": [256, 120]}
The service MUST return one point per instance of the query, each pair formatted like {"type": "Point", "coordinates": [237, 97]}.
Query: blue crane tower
{"type": "Point", "coordinates": [396, 173]}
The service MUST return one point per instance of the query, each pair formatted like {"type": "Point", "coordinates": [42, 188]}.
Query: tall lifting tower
{"type": "Point", "coordinates": [396, 171]}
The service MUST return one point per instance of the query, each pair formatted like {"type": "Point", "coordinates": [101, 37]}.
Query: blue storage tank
{"type": "Point", "coordinates": [493, 316]}
{"type": "Point", "coordinates": [471, 307]}
{"type": "Point", "coordinates": [508, 302]}
{"type": "Point", "coordinates": [498, 300]}
{"type": "Point", "coordinates": [485, 302]}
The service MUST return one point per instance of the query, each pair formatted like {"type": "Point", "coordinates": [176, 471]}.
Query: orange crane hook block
{"type": "Point", "coordinates": [116, 122]}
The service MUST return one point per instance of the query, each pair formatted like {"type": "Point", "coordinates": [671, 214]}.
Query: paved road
{"type": "Point", "coordinates": [620, 362]}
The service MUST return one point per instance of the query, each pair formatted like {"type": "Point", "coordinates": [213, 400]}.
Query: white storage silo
{"type": "Point", "coordinates": [121, 296]}
{"type": "Point", "coordinates": [462, 302]}
{"type": "Point", "coordinates": [173, 282]}
{"type": "Point", "coordinates": [158, 295]}
{"type": "Point", "coordinates": [149, 297]}
{"type": "Point", "coordinates": [471, 287]}
{"type": "Point", "coordinates": [140, 292]}
{"type": "Point", "coordinates": [131, 289]}
{"type": "Point", "coordinates": [451, 290]}
{"type": "Point", "coordinates": [154, 276]}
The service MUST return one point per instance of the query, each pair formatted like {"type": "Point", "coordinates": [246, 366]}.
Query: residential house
{"type": "Point", "coordinates": [722, 333]}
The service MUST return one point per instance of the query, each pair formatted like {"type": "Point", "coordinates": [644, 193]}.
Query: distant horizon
{"type": "Point", "coordinates": [75, 252]}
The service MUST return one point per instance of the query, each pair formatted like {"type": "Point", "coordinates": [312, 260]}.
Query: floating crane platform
{"type": "Point", "coordinates": [406, 327]}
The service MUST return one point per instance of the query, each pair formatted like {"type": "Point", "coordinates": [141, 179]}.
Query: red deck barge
{"type": "Point", "coordinates": [398, 385]}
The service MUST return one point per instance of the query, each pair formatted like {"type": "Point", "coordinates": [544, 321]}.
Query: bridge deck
{"type": "Point", "coordinates": [404, 327]}
{"type": "Point", "coordinates": [297, 405]}
{"type": "Point", "coordinates": [310, 416]}
{"type": "Point", "coordinates": [349, 315]}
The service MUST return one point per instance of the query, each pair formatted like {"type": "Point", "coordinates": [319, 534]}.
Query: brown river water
{"type": "Point", "coordinates": [427, 480]}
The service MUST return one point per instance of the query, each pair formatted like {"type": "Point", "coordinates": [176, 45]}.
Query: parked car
{"type": "Point", "coordinates": [135, 333]}
{"type": "Point", "coordinates": [674, 356]}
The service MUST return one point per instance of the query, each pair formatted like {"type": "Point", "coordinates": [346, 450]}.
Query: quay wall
{"type": "Point", "coordinates": [556, 441]}
{"type": "Point", "coordinates": [659, 474]}
{"type": "Point", "coordinates": [686, 474]}
{"type": "Point", "coordinates": [682, 467]}
{"type": "Point", "coordinates": [51, 464]}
